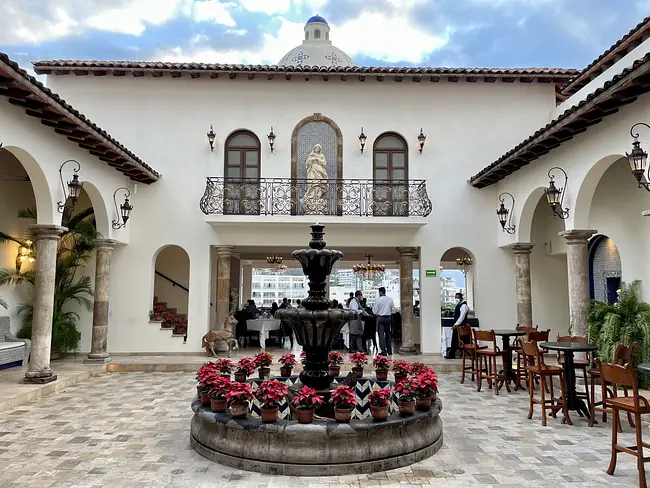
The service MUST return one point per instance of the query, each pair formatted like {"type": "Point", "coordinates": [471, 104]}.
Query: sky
{"type": "Point", "coordinates": [470, 33]}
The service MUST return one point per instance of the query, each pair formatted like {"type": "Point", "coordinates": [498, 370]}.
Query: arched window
{"type": "Point", "coordinates": [242, 174]}
{"type": "Point", "coordinates": [390, 175]}
{"type": "Point", "coordinates": [317, 34]}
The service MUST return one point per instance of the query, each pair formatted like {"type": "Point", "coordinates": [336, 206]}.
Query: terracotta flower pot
{"type": "Point", "coordinates": [205, 399]}
{"type": "Point", "coordinates": [264, 372]}
{"type": "Point", "coordinates": [269, 415]}
{"type": "Point", "coordinates": [399, 378]}
{"type": "Point", "coordinates": [285, 371]}
{"type": "Point", "coordinates": [423, 403]}
{"type": "Point", "coordinates": [305, 416]}
{"type": "Point", "coordinates": [358, 370]}
{"type": "Point", "coordinates": [379, 413]}
{"type": "Point", "coordinates": [343, 414]}
{"type": "Point", "coordinates": [218, 405]}
{"type": "Point", "coordinates": [381, 374]}
{"type": "Point", "coordinates": [335, 371]}
{"type": "Point", "coordinates": [239, 409]}
{"type": "Point", "coordinates": [240, 377]}
{"type": "Point", "coordinates": [407, 408]}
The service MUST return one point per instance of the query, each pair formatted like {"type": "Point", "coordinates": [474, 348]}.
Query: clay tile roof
{"type": "Point", "coordinates": [24, 90]}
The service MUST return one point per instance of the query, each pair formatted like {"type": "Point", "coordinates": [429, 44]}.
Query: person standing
{"type": "Point", "coordinates": [460, 318]}
{"type": "Point", "coordinates": [383, 309]}
{"type": "Point", "coordinates": [356, 325]}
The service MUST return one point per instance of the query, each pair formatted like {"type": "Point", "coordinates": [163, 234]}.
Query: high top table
{"type": "Point", "coordinates": [569, 349]}
{"type": "Point", "coordinates": [506, 334]}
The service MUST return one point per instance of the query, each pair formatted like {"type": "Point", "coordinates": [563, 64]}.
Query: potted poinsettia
{"type": "Point", "coordinates": [335, 360]}
{"type": "Point", "coordinates": [344, 400]}
{"type": "Point", "coordinates": [382, 365]}
{"type": "Point", "coordinates": [425, 386]}
{"type": "Point", "coordinates": [419, 368]}
{"type": "Point", "coordinates": [224, 366]}
{"type": "Point", "coordinates": [156, 315]}
{"type": "Point", "coordinates": [401, 369]}
{"type": "Point", "coordinates": [288, 361]}
{"type": "Point", "coordinates": [205, 376]}
{"type": "Point", "coordinates": [405, 394]}
{"type": "Point", "coordinates": [263, 361]}
{"type": "Point", "coordinates": [306, 402]}
{"type": "Point", "coordinates": [245, 368]}
{"type": "Point", "coordinates": [358, 359]}
{"type": "Point", "coordinates": [218, 391]}
{"type": "Point", "coordinates": [270, 394]}
{"type": "Point", "coordinates": [379, 400]}
{"type": "Point", "coordinates": [239, 395]}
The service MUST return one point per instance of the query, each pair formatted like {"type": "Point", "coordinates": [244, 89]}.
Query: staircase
{"type": "Point", "coordinates": [168, 319]}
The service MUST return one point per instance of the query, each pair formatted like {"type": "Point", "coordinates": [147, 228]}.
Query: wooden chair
{"type": "Point", "coordinates": [468, 350]}
{"type": "Point", "coordinates": [489, 354]}
{"type": "Point", "coordinates": [532, 334]}
{"type": "Point", "coordinates": [538, 369]}
{"type": "Point", "coordinates": [622, 355]}
{"type": "Point", "coordinates": [579, 365]}
{"type": "Point", "coordinates": [625, 376]}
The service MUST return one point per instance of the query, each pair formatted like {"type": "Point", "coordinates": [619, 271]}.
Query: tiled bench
{"type": "Point", "coordinates": [13, 351]}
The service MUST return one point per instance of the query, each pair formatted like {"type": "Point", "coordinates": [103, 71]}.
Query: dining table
{"type": "Point", "coordinates": [505, 334]}
{"type": "Point", "coordinates": [263, 327]}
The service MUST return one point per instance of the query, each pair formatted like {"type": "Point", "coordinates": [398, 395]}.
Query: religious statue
{"type": "Point", "coordinates": [314, 200]}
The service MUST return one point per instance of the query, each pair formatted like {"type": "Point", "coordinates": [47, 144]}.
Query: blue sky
{"type": "Point", "coordinates": [505, 33]}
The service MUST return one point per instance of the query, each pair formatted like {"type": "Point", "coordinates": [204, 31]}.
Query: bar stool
{"type": "Point", "coordinates": [489, 353]}
{"type": "Point", "coordinates": [468, 349]}
{"type": "Point", "coordinates": [532, 334]}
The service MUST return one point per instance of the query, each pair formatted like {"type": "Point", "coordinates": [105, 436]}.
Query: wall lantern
{"type": "Point", "coordinates": [638, 159]}
{"type": "Point", "coordinates": [362, 140]}
{"type": "Point", "coordinates": [421, 139]}
{"type": "Point", "coordinates": [555, 196]}
{"type": "Point", "coordinates": [271, 137]}
{"type": "Point", "coordinates": [211, 137]}
{"type": "Point", "coordinates": [73, 187]}
{"type": "Point", "coordinates": [505, 215]}
{"type": "Point", "coordinates": [25, 253]}
{"type": "Point", "coordinates": [124, 211]}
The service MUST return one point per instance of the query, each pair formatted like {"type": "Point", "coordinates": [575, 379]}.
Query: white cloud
{"type": "Point", "coordinates": [214, 10]}
{"type": "Point", "coordinates": [30, 29]}
{"type": "Point", "coordinates": [132, 17]}
{"type": "Point", "coordinates": [269, 7]}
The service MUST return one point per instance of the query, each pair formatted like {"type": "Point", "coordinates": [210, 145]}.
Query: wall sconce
{"type": "Point", "coordinates": [25, 253]}
{"type": "Point", "coordinates": [555, 196]}
{"type": "Point", "coordinates": [74, 186]}
{"type": "Point", "coordinates": [211, 137]}
{"type": "Point", "coordinates": [505, 215]}
{"type": "Point", "coordinates": [271, 137]}
{"type": "Point", "coordinates": [638, 159]}
{"type": "Point", "coordinates": [362, 140]}
{"type": "Point", "coordinates": [421, 139]}
{"type": "Point", "coordinates": [124, 211]}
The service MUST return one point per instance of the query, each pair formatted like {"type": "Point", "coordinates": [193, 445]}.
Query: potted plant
{"type": "Point", "coordinates": [263, 361]}
{"type": "Point", "coordinates": [245, 368]}
{"type": "Point", "coordinates": [358, 359]}
{"type": "Point", "coordinates": [167, 321]}
{"type": "Point", "coordinates": [205, 377]}
{"type": "Point", "coordinates": [401, 369]}
{"type": "Point", "coordinates": [288, 361]}
{"type": "Point", "coordinates": [344, 400]}
{"type": "Point", "coordinates": [306, 402]}
{"type": "Point", "coordinates": [335, 360]}
{"type": "Point", "coordinates": [405, 397]}
{"type": "Point", "coordinates": [218, 391]}
{"type": "Point", "coordinates": [419, 368]}
{"type": "Point", "coordinates": [379, 400]}
{"type": "Point", "coordinates": [425, 386]}
{"type": "Point", "coordinates": [224, 366]}
{"type": "Point", "coordinates": [382, 365]}
{"type": "Point", "coordinates": [156, 315]}
{"type": "Point", "coordinates": [270, 394]}
{"type": "Point", "coordinates": [238, 396]}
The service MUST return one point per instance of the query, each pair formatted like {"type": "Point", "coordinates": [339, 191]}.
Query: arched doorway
{"type": "Point", "coordinates": [604, 269]}
{"type": "Point", "coordinates": [171, 289]}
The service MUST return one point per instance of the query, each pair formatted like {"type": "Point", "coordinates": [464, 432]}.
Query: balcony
{"type": "Point", "coordinates": [277, 198]}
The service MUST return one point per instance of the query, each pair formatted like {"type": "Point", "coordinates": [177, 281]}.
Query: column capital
{"type": "Point", "coordinates": [105, 244]}
{"type": "Point", "coordinates": [407, 251]}
{"type": "Point", "coordinates": [224, 250]}
{"type": "Point", "coordinates": [51, 232]}
{"type": "Point", "coordinates": [577, 236]}
{"type": "Point", "coordinates": [522, 247]}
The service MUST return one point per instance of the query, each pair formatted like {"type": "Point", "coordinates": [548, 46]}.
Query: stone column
{"type": "Point", "coordinates": [46, 238]}
{"type": "Point", "coordinates": [235, 275]}
{"type": "Point", "coordinates": [224, 254]}
{"type": "Point", "coordinates": [247, 276]}
{"type": "Point", "coordinates": [522, 283]}
{"type": "Point", "coordinates": [406, 255]}
{"type": "Point", "coordinates": [578, 267]}
{"type": "Point", "coordinates": [98, 353]}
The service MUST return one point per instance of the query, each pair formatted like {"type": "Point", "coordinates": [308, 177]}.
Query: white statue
{"type": "Point", "coordinates": [314, 198]}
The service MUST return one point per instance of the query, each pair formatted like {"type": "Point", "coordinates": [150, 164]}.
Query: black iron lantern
{"type": "Point", "coordinates": [124, 210]}
{"type": "Point", "coordinates": [73, 187]}
{"type": "Point", "coordinates": [211, 137]}
{"type": "Point", "coordinates": [421, 139]}
{"type": "Point", "coordinates": [555, 195]}
{"type": "Point", "coordinates": [271, 137]}
{"type": "Point", "coordinates": [362, 140]}
{"type": "Point", "coordinates": [505, 215]}
{"type": "Point", "coordinates": [638, 159]}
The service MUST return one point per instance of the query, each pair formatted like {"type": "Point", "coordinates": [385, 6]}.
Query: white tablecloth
{"type": "Point", "coordinates": [263, 327]}
{"type": "Point", "coordinates": [447, 333]}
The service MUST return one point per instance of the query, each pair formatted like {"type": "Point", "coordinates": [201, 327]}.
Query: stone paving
{"type": "Point", "coordinates": [132, 430]}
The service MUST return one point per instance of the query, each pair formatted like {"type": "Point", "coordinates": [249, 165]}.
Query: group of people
{"type": "Point", "coordinates": [369, 321]}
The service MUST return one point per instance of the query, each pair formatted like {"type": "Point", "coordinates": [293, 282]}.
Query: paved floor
{"type": "Point", "coordinates": [131, 430]}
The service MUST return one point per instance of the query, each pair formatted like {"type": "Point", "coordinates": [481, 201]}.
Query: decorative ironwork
{"type": "Point", "coordinates": [285, 196]}
{"type": "Point", "coordinates": [638, 158]}
{"type": "Point", "coordinates": [555, 196]}
{"type": "Point", "coordinates": [274, 260]}
{"type": "Point", "coordinates": [124, 211]}
{"type": "Point", "coordinates": [464, 264]}
{"type": "Point", "coordinates": [505, 214]}
{"type": "Point", "coordinates": [369, 270]}
{"type": "Point", "coordinates": [73, 186]}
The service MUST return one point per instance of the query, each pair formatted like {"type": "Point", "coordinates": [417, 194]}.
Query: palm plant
{"type": "Point", "coordinates": [624, 322]}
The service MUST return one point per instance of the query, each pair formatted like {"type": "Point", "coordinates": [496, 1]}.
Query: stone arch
{"type": "Point", "coordinates": [450, 256]}
{"type": "Point", "coordinates": [587, 189]}
{"type": "Point", "coordinates": [42, 192]}
{"type": "Point", "coordinates": [525, 224]}
{"type": "Point", "coordinates": [102, 219]}
{"type": "Point", "coordinates": [171, 278]}
{"type": "Point", "coordinates": [605, 272]}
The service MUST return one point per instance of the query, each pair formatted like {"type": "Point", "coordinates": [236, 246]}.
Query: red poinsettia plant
{"type": "Point", "coordinates": [404, 391]}
{"type": "Point", "coordinates": [381, 362]}
{"type": "Point", "coordinates": [424, 384]}
{"type": "Point", "coordinates": [271, 393]}
{"type": "Point", "coordinates": [288, 360]}
{"type": "Point", "coordinates": [263, 360]}
{"type": "Point", "coordinates": [402, 367]}
{"type": "Point", "coordinates": [239, 393]}
{"type": "Point", "coordinates": [307, 399]}
{"type": "Point", "coordinates": [220, 387]}
{"type": "Point", "coordinates": [419, 368]}
{"type": "Point", "coordinates": [206, 375]}
{"type": "Point", "coordinates": [359, 359]}
{"type": "Point", "coordinates": [157, 312]}
{"type": "Point", "coordinates": [246, 365]}
{"type": "Point", "coordinates": [224, 366]}
{"type": "Point", "coordinates": [343, 397]}
{"type": "Point", "coordinates": [379, 397]}
{"type": "Point", "coordinates": [335, 358]}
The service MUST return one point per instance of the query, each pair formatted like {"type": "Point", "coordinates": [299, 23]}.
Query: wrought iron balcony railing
{"type": "Point", "coordinates": [287, 196]}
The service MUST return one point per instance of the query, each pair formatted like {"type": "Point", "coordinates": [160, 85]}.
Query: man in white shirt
{"type": "Point", "coordinates": [383, 309]}
{"type": "Point", "coordinates": [460, 318]}
{"type": "Point", "coordinates": [356, 325]}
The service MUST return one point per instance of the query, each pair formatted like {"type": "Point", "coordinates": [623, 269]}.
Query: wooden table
{"type": "Point", "coordinates": [506, 334]}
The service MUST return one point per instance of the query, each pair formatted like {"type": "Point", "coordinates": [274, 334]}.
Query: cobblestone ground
{"type": "Point", "coordinates": [132, 430]}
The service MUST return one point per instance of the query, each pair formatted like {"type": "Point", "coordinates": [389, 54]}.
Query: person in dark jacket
{"type": "Point", "coordinates": [274, 308]}
{"type": "Point", "coordinates": [460, 318]}
{"type": "Point", "coordinates": [356, 325]}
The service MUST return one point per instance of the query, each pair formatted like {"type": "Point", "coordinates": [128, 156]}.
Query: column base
{"type": "Point", "coordinates": [97, 359]}
{"type": "Point", "coordinates": [407, 350]}
{"type": "Point", "coordinates": [37, 380]}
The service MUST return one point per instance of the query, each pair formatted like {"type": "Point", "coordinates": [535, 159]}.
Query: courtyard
{"type": "Point", "coordinates": [132, 430]}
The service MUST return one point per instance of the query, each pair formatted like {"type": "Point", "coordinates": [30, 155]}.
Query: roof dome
{"type": "Point", "coordinates": [316, 48]}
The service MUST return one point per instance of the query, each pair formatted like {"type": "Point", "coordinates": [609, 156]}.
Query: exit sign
{"type": "Point", "coordinates": [431, 273]}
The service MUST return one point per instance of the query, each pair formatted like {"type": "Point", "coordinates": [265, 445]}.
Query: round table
{"type": "Point", "coordinates": [643, 368]}
{"type": "Point", "coordinates": [506, 334]}
{"type": "Point", "coordinates": [569, 349]}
